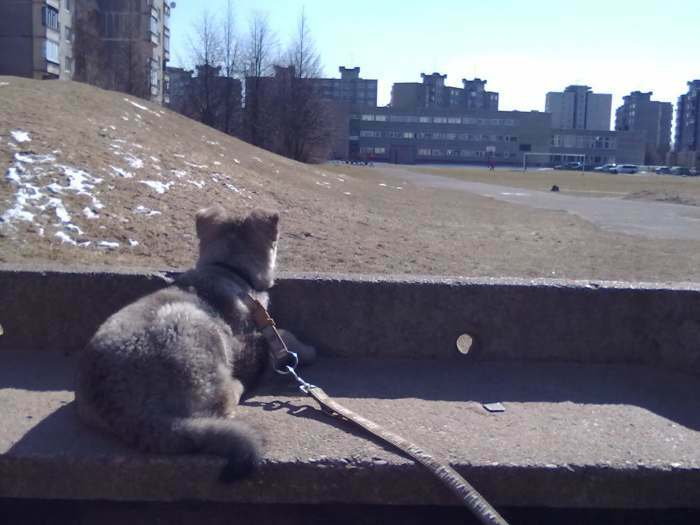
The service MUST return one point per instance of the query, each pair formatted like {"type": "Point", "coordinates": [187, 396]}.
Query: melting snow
{"type": "Point", "coordinates": [108, 244]}
{"type": "Point", "coordinates": [159, 187]}
{"type": "Point", "coordinates": [179, 173]}
{"type": "Point", "coordinates": [217, 163]}
{"type": "Point", "coordinates": [121, 172]}
{"type": "Point", "coordinates": [133, 243]}
{"type": "Point", "coordinates": [235, 160]}
{"type": "Point", "coordinates": [142, 210]}
{"type": "Point", "coordinates": [155, 159]}
{"type": "Point", "coordinates": [31, 158]}
{"type": "Point", "coordinates": [134, 162]}
{"type": "Point", "coordinates": [232, 188]}
{"type": "Point", "coordinates": [257, 158]}
{"type": "Point", "coordinates": [65, 238]}
{"type": "Point", "coordinates": [382, 185]}
{"type": "Point", "coordinates": [89, 213]}
{"type": "Point", "coordinates": [4, 84]}
{"type": "Point", "coordinates": [20, 136]}
{"type": "Point", "coordinates": [347, 193]}
{"type": "Point", "coordinates": [198, 183]}
{"type": "Point", "coordinates": [198, 166]}
{"type": "Point", "coordinates": [142, 108]}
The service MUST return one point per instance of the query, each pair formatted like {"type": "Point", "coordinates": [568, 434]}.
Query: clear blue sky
{"type": "Point", "coordinates": [523, 48]}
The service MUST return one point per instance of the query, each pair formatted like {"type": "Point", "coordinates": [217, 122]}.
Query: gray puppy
{"type": "Point", "coordinates": [165, 373]}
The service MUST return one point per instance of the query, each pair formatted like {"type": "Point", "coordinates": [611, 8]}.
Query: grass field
{"type": "Point", "coordinates": [684, 190]}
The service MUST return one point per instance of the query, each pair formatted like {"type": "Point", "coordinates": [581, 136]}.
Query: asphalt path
{"type": "Point", "coordinates": [635, 217]}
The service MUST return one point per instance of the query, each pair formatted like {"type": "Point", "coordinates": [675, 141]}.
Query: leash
{"type": "Point", "coordinates": [285, 362]}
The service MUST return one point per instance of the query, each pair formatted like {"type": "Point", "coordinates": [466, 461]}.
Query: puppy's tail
{"type": "Point", "coordinates": [231, 439]}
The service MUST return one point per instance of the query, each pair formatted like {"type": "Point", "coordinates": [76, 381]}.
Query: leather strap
{"type": "Point", "coordinates": [456, 483]}
{"type": "Point", "coordinates": [284, 362]}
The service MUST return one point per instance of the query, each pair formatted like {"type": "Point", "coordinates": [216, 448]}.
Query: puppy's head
{"type": "Point", "coordinates": [247, 243]}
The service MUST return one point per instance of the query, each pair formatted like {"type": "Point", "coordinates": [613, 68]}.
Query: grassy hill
{"type": "Point", "coordinates": [92, 177]}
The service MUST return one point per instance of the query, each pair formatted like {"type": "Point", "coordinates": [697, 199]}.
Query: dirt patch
{"type": "Point", "coordinates": [334, 218]}
{"type": "Point", "coordinates": [664, 196]}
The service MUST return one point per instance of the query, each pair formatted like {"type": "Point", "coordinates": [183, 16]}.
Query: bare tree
{"type": "Point", "coordinates": [302, 53]}
{"type": "Point", "coordinates": [206, 51]}
{"type": "Point", "coordinates": [304, 120]}
{"type": "Point", "coordinates": [260, 47]}
{"type": "Point", "coordinates": [231, 56]}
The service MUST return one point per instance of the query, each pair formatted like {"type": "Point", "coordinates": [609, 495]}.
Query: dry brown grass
{"type": "Point", "coordinates": [335, 219]}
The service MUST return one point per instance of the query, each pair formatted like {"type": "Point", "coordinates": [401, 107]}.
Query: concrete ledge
{"type": "Point", "coordinates": [572, 436]}
{"type": "Point", "coordinates": [372, 316]}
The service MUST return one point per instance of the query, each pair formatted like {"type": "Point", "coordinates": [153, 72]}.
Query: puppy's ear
{"type": "Point", "coordinates": [261, 221]}
{"type": "Point", "coordinates": [209, 222]}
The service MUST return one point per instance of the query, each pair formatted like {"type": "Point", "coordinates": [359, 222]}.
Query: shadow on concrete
{"type": "Point", "coordinates": [668, 394]}
{"type": "Point", "coordinates": [37, 371]}
{"type": "Point", "coordinates": [61, 432]}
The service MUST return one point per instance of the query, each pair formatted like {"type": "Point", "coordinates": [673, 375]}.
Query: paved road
{"type": "Point", "coordinates": [635, 217]}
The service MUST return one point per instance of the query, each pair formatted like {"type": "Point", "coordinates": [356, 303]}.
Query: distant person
{"type": "Point", "coordinates": [492, 164]}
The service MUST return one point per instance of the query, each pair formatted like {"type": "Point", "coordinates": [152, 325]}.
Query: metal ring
{"type": "Point", "coordinates": [288, 368]}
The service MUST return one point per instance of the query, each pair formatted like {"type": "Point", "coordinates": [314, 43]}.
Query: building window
{"type": "Point", "coordinates": [380, 118]}
{"type": "Point", "coordinates": [380, 151]}
{"type": "Point", "coordinates": [424, 152]}
{"type": "Point", "coordinates": [68, 31]}
{"type": "Point", "coordinates": [408, 135]}
{"type": "Point", "coordinates": [425, 120]}
{"type": "Point", "coordinates": [370, 134]}
{"type": "Point", "coordinates": [66, 4]}
{"type": "Point", "coordinates": [52, 51]}
{"type": "Point", "coordinates": [454, 120]}
{"type": "Point", "coordinates": [367, 116]}
{"type": "Point", "coordinates": [68, 64]}
{"type": "Point", "coordinates": [51, 17]}
{"type": "Point", "coordinates": [440, 120]}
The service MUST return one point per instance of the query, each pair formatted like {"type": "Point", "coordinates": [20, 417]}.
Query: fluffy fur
{"type": "Point", "coordinates": [165, 373]}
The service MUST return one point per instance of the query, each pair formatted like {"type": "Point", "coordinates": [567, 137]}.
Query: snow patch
{"type": "Point", "coordinates": [142, 108]}
{"type": "Point", "coordinates": [65, 238]}
{"type": "Point", "coordinates": [133, 243]}
{"type": "Point", "coordinates": [121, 173]}
{"type": "Point", "coordinates": [198, 166]}
{"type": "Point", "coordinates": [198, 183]}
{"type": "Point", "coordinates": [20, 136]}
{"type": "Point", "coordinates": [4, 84]}
{"type": "Point", "coordinates": [235, 160]}
{"type": "Point", "coordinates": [257, 159]}
{"type": "Point", "coordinates": [108, 244]}
{"type": "Point", "coordinates": [89, 213]}
{"type": "Point", "coordinates": [32, 158]}
{"type": "Point", "coordinates": [135, 162]}
{"type": "Point", "coordinates": [179, 173]}
{"type": "Point", "coordinates": [158, 186]}
{"type": "Point", "coordinates": [142, 210]}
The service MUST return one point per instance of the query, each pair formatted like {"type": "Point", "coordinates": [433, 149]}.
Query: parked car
{"type": "Point", "coordinates": [663, 170]}
{"type": "Point", "coordinates": [607, 168]}
{"type": "Point", "coordinates": [569, 166]}
{"type": "Point", "coordinates": [625, 168]}
{"type": "Point", "coordinates": [680, 170]}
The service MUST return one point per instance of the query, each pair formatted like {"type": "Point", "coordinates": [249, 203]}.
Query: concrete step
{"type": "Point", "coordinates": [572, 436]}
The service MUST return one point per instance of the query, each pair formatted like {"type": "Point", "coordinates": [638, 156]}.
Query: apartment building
{"type": "Point", "coordinates": [350, 88]}
{"type": "Point", "coordinates": [639, 113]}
{"type": "Point", "coordinates": [124, 45]}
{"type": "Point", "coordinates": [577, 107]}
{"type": "Point", "coordinates": [36, 38]}
{"type": "Point", "coordinates": [432, 93]}
{"type": "Point", "coordinates": [114, 44]}
{"type": "Point", "coordinates": [687, 137]}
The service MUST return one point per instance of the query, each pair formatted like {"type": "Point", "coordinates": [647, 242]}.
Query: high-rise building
{"type": "Point", "coordinates": [349, 88]}
{"type": "Point", "coordinates": [114, 44]}
{"type": "Point", "coordinates": [639, 113]}
{"type": "Point", "coordinates": [36, 38]}
{"type": "Point", "coordinates": [579, 108]}
{"type": "Point", "coordinates": [432, 93]}
{"type": "Point", "coordinates": [123, 45]}
{"type": "Point", "coordinates": [687, 139]}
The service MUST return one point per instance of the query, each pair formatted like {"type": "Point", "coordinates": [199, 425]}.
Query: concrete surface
{"type": "Point", "coordinates": [403, 316]}
{"type": "Point", "coordinates": [572, 436]}
{"type": "Point", "coordinates": [644, 218]}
